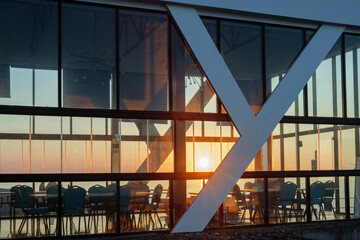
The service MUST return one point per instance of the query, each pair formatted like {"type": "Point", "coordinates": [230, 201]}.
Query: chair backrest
{"type": "Point", "coordinates": [316, 192]}
{"type": "Point", "coordinates": [239, 196]}
{"type": "Point", "coordinates": [157, 195]}
{"type": "Point", "coordinates": [125, 197]}
{"type": "Point", "coordinates": [329, 189]}
{"type": "Point", "coordinates": [15, 198]}
{"type": "Point", "coordinates": [25, 196]}
{"type": "Point", "coordinates": [96, 189]}
{"type": "Point", "coordinates": [287, 192]}
{"type": "Point", "coordinates": [74, 198]}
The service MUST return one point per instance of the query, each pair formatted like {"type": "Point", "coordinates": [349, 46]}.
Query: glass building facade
{"type": "Point", "coordinates": [100, 89]}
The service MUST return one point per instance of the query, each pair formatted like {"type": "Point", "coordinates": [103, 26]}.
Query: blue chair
{"type": "Point", "coordinates": [97, 205]}
{"type": "Point", "coordinates": [125, 211]}
{"type": "Point", "coordinates": [317, 190]}
{"type": "Point", "coordinates": [74, 205]}
{"type": "Point", "coordinates": [110, 208]}
{"type": "Point", "coordinates": [24, 194]}
{"type": "Point", "coordinates": [286, 200]}
{"type": "Point", "coordinates": [329, 197]}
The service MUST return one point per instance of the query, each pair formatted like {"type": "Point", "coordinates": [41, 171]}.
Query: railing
{"type": "Point", "coordinates": [302, 177]}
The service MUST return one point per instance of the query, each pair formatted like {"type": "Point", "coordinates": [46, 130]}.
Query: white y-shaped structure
{"type": "Point", "coordinates": [254, 130]}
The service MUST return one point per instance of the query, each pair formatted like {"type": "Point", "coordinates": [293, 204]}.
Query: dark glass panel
{"type": "Point", "coordinates": [352, 66]}
{"type": "Point", "coordinates": [282, 45]}
{"type": "Point", "coordinates": [211, 26]}
{"type": "Point", "coordinates": [191, 89]}
{"type": "Point", "coordinates": [88, 59]}
{"type": "Point", "coordinates": [28, 47]}
{"type": "Point", "coordinates": [325, 86]}
{"type": "Point", "coordinates": [241, 49]}
{"type": "Point", "coordinates": [143, 61]}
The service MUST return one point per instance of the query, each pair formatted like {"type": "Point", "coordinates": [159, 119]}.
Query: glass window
{"type": "Point", "coordinates": [211, 26]}
{"type": "Point", "coordinates": [207, 144]}
{"type": "Point", "coordinates": [325, 86]}
{"type": "Point", "coordinates": [29, 53]}
{"type": "Point", "coordinates": [241, 47]}
{"type": "Point", "coordinates": [143, 61]}
{"type": "Point", "coordinates": [88, 57]}
{"type": "Point", "coordinates": [140, 146]}
{"type": "Point", "coordinates": [192, 91]}
{"type": "Point", "coordinates": [352, 66]}
{"type": "Point", "coordinates": [282, 45]}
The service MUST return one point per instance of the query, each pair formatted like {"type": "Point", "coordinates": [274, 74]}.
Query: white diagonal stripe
{"type": "Point", "coordinates": [213, 65]}
{"type": "Point", "coordinates": [255, 133]}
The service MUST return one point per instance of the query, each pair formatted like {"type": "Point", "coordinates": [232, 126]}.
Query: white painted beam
{"type": "Point", "coordinates": [344, 12]}
{"type": "Point", "coordinates": [240, 156]}
{"type": "Point", "coordinates": [213, 65]}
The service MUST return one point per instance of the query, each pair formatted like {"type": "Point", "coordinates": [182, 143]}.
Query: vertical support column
{"type": "Point", "coordinates": [347, 198]}
{"type": "Point", "coordinates": [308, 197]}
{"type": "Point", "coordinates": [117, 197]}
{"type": "Point", "coordinates": [180, 167]}
{"type": "Point", "coordinates": [59, 212]}
{"type": "Point", "coordinates": [178, 77]}
{"type": "Point", "coordinates": [266, 199]}
{"type": "Point", "coordinates": [171, 204]}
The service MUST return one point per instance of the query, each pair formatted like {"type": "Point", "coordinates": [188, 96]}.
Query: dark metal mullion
{"type": "Point", "coordinates": [171, 203]}
{"type": "Point", "coordinates": [266, 197]}
{"type": "Point", "coordinates": [343, 77]}
{"type": "Point", "coordinates": [347, 198]}
{"type": "Point", "coordinates": [117, 197]}
{"type": "Point", "coordinates": [59, 54]}
{"type": "Point", "coordinates": [59, 212]}
{"type": "Point", "coordinates": [170, 64]}
{"type": "Point", "coordinates": [263, 47]}
{"type": "Point", "coordinates": [117, 60]}
{"type": "Point", "coordinates": [218, 42]}
{"type": "Point", "coordinates": [308, 196]}
{"type": "Point", "coordinates": [305, 93]}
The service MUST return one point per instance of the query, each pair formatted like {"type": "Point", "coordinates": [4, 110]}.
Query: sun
{"type": "Point", "coordinates": [204, 163]}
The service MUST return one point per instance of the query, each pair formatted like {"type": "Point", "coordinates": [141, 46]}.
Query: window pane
{"type": "Point", "coordinates": [141, 146]}
{"type": "Point", "coordinates": [28, 59]}
{"type": "Point", "coordinates": [88, 59]}
{"type": "Point", "coordinates": [325, 86]}
{"type": "Point", "coordinates": [143, 61]}
{"type": "Point", "coordinates": [352, 61]}
{"type": "Point", "coordinates": [241, 49]}
{"type": "Point", "coordinates": [282, 46]}
{"type": "Point", "coordinates": [191, 89]}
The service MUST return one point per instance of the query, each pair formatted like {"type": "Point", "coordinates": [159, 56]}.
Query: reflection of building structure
{"type": "Point", "coordinates": [130, 88]}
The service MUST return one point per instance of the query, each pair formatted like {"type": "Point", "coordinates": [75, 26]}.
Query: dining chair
{"type": "Point", "coordinates": [125, 211]}
{"type": "Point", "coordinates": [317, 190]}
{"type": "Point", "coordinates": [329, 197]}
{"type": "Point", "coordinates": [241, 202]}
{"type": "Point", "coordinates": [74, 205]}
{"type": "Point", "coordinates": [154, 205]}
{"type": "Point", "coordinates": [286, 201]}
{"type": "Point", "coordinates": [96, 206]}
{"type": "Point", "coordinates": [27, 203]}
